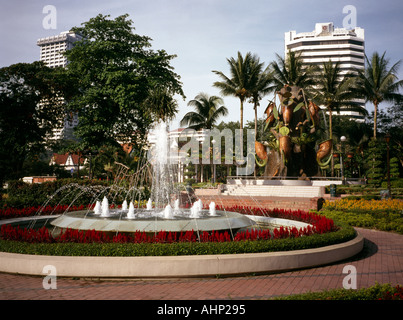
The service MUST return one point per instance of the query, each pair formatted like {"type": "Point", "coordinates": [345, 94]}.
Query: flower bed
{"type": "Point", "coordinates": [10, 212]}
{"type": "Point", "coordinates": [319, 223]}
{"type": "Point", "coordinates": [388, 205]}
{"type": "Point", "coordinates": [385, 215]}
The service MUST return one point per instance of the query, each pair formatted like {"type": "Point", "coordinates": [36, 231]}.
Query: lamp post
{"type": "Point", "coordinates": [212, 158]}
{"type": "Point", "coordinates": [387, 139]}
{"type": "Point", "coordinates": [342, 139]}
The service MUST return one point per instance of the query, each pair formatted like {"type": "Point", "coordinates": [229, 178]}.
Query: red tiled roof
{"type": "Point", "coordinates": [61, 159]}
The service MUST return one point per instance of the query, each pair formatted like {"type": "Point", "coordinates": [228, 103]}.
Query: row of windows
{"type": "Point", "coordinates": [324, 42]}
{"type": "Point", "coordinates": [361, 64]}
{"type": "Point", "coordinates": [329, 49]}
{"type": "Point", "coordinates": [53, 50]}
{"type": "Point", "coordinates": [332, 56]}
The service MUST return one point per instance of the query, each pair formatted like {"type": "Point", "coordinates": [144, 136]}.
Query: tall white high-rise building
{"type": "Point", "coordinates": [329, 43]}
{"type": "Point", "coordinates": [52, 54]}
{"type": "Point", "coordinates": [52, 48]}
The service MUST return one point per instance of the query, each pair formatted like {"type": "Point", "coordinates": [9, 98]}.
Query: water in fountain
{"type": "Point", "coordinates": [212, 209]}
{"type": "Point", "coordinates": [162, 184]}
{"type": "Point", "coordinates": [105, 208]}
{"type": "Point", "coordinates": [166, 214]}
{"type": "Point", "coordinates": [176, 205]}
{"type": "Point", "coordinates": [124, 205]}
{"type": "Point", "coordinates": [149, 205]}
{"type": "Point", "coordinates": [130, 213]}
{"type": "Point", "coordinates": [98, 208]}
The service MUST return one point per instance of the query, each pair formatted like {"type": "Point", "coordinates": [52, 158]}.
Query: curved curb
{"type": "Point", "coordinates": [179, 266]}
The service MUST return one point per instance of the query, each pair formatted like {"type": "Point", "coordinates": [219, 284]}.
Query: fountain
{"type": "Point", "coordinates": [163, 210]}
{"type": "Point", "coordinates": [97, 208]}
{"type": "Point", "coordinates": [212, 209]}
{"type": "Point", "coordinates": [149, 204]}
{"type": "Point", "coordinates": [105, 208]}
{"type": "Point", "coordinates": [130, 213]}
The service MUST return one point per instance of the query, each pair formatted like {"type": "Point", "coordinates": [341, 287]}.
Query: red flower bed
{"type": "Point", "coordinates": [9, 212]}
{"type": "Point", "coordinates": [319, 224]}
{"type": "Point", "coordinates": [397, 294]}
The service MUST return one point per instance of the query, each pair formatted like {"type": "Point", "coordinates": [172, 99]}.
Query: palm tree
{"type": "Point", "coordinates": [208, 110]}
{"type": "Point", "coordinates": [162, 104]}
{"type": "Point", "coordinates": [263, 85]}
{"type": "Point", "coordinates": [241, 80]}
{"type": "Point", "coordinates": [333, 91]}
{"type": "Point", "coordinates": [377, 83]}
{"type": "Point", "coordinates": [291, 71]}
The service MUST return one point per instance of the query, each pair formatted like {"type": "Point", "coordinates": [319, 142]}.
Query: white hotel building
{"type": "Point", "coordinates": [327, 42]}
{"type": "Point", "coordinates": [52, 49]}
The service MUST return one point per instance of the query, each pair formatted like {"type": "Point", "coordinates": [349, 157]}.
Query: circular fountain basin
{"type": "Point", "coordinates": [118, 222]}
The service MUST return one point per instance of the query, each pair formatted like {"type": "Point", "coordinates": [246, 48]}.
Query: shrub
{"type": "Point", "coordinates": [344, 233]}
{"type": "Point", "coordinates": [21, 194]}
{"type": "Point", "coordinates": [376, 292]}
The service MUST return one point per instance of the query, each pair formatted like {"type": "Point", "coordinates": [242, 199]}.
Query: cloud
{"type": "Point", "coordinates": [203, 33]}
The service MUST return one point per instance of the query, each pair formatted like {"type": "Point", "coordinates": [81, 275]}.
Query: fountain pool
{"type": "Point", "coordinates": [163, 210]}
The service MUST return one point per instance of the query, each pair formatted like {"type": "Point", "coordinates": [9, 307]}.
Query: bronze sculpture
{"type": "Point", "coordinates": [293, 128]}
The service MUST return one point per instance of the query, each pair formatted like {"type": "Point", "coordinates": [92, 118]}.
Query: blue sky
{"type": "Point", "coordinates": [203, 33]}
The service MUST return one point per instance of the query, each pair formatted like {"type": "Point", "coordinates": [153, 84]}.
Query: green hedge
{"type": "Point", "coordinates": [376, 292]}
{"type": "Point", "coordinates": [344, 234]}
{"type": "Point", "coordinates": [21, 194]}
{"type": "Point", "coordinates": [368, 192]}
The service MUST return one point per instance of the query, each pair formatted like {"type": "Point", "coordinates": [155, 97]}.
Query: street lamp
{"type": "Point", "coordinates": [342, 139]}
{"type": "Point", "coordinates": [387, 139]}
{"type": "Point", "coordinates": [214, 165]}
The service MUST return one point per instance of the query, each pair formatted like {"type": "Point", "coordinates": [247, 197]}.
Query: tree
{"type": "Point", "coordinates": [30, 108]}
{"type": "Point", "coordinates": [375, 163]}
{"type": "Point", "coordinates": [291, 71]}
{"type": "Point", "coordinates": [116, 73]}
{"type": "Point", "coordinates": [378, 83]}
{"type": "Point", "coordinates": [241, 81]}
{"type": "Point", "coordinates": [162, 103]}
{"type": "Point", "coordinates": [208, 110]}
{"type": "Point", "coordinates": [333, 91]}
{"type": "Point", "coordinates": [391, 121]}
{"type": "Point", "coordinates": [262, 86]}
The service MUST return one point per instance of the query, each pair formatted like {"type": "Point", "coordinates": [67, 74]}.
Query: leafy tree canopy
{"type": "Point", "coordinates": [30, 107]}
{"type": "Point", "coordinates": [116, 73]}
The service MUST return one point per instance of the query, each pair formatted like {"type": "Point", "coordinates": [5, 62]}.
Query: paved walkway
{"type": "Point", "coordinates": [381, 261]}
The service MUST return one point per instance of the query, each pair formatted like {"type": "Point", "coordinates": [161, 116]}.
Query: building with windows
{"type": "Point", "coordinates": [69, 161]}
{"type": "Point", "coordinates": [52, 48]}
{"type": "Point", "coordinates": [52, 54]}
{"type": "Point", "coordinates": [329, 43]}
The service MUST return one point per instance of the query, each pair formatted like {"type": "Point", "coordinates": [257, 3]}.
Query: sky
{"type": "Point", "coordinates": [204, 33]}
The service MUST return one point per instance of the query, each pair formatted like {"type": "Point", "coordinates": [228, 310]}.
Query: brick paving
{"type": "Point", "coordinates": [380, 261]}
